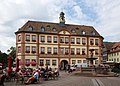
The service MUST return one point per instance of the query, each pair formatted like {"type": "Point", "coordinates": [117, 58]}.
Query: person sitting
{"type": "Point", "coordinates": [56, 72]}
{"type": "Point", "coordinates": [33, 79]}
{"type": "Point", "coordinates": [1, 77]}
{"type": "Point", "coordinates": [20, 76]}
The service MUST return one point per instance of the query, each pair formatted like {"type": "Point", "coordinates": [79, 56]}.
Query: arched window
{"type": "Point", "coordinates": [54, 29]}
{"type": "Point", "coordinates": [83, 32]}
{"type": "Point", "coordinates": [93, 32]}
{"type": "Point", "coordinates": [30, 28]}
{"type": "Point", "coordinates": [42, 29]}
{"type": "Point", "coordinates": [73, 31]}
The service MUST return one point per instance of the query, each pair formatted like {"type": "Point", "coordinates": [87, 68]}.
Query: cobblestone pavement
{"type": "Point", "coordinates": [66, 79]}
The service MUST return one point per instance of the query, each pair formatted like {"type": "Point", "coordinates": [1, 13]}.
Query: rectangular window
{"type": "Point", "coordinates": [27, 37]}
{"type": "Point", "coordinates": [114, 59]}
{"type": "Point", "coordinates": [78, 40]}
{"type": "Point", "coordinates": [54, 62]}
{"type": "Point", "coordinates": [33, 38]}
{"type": "Point", "coordinates": [49, 39]}
{"type": "Point", "coordinates": [79, 61]}
{"type": "Point", "coordinates": [78, 51]}
{"type": "Point", "coordinates": [19, 49]}
{"type": "Point", "coordinates": [55, 39]}
{"type": "Point", "coordinates": [91, 41]}
{"type": "Point", "coordinates": [83, 51]}
{"type": "Point", "coordinates": [42, 50]}
{"type": "Point", "coordinates": [33, 49]}
{"type": "Point", "coordinates": [84, 61]}
{"type": "Point", "coordinates": [42, 38]}
{"type": "Point", "coordinates": [66, 40]}
{"type": "Point", "coordinates": [54, 50]}
{"type": "Point", "coordinates": [19, 37]}
{"type": "Point", "coordinates": [83, 41]}
{"type": "Point", "coordinates": [72, 51]}
{"type": "Point", "coordinates": [96, 51]}
{"type": "Point", "coordinates": [96, 61]}
{"type": "Point", "coordinates": [48, 62]}
{"type": "Point", "coordinates": [73, 61]}
{"type": "Point", "coordinates": [41, 62]}
{"type": "Point", "coordinates": [117, 59]}
{"type": "Point", "coordinates": [27, 49]}
{"type": "Point", "coordinates": [96, 41]}
{"type": "Point", "coordinates": [27, 62]}
{"type": "Point", "coordinates": [61, 40]}
{"type": "Point", "coordinates": [49, 50]}
{"type": "Point", "coordinates": [72, 40]}
{"type": "Point", "coordinates": [66, 51]}
{"type": "Point", "coordinates": [61, 50]}
{"type": "Point", "coordinates": [117, 53]}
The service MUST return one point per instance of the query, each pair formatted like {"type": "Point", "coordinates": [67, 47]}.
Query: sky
{"type": "Point", "coordinates": [103, 15]}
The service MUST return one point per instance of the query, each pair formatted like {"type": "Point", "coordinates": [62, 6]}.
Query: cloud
{"type": "Point", "coordinates": [102, 14]}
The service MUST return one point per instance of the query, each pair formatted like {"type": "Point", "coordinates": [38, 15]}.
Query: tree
{"type": "Point", "coordinates": [12, 52]}
{"type": "Point", "coordinates": [3, 58]}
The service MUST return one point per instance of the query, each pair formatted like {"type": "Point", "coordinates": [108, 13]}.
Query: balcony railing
{"type": "Point", "coordinates": [83, 43]}
{"type": "Point", "coordinates": [78, 42]}
{"type": "Point", "coordinates": [49, 52]}
{"type": "Point", "coordinates": [33, 40]}
{"type": "Point", "coordinates": [42, 52]}
{"type": "Point", "coordinates": [33, 51]}
{"type": "Point", "coordinates": [27, 51]}
{"type": "Point", "coordinates": [96, 43]}
{"type": "Point", "coordinates": [27, 39]}
{"type": "Point", "coordinates": [42, 40]}
{"type": "Point", "coordinates": [91, 43]}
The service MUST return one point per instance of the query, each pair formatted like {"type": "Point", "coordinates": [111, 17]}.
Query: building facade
{"type": "Point", "coordinates": [56, 44]}
{"type": "Point", "coordinates": [114, 54]}
{"type": "Point", "coordinates": [107, 46]}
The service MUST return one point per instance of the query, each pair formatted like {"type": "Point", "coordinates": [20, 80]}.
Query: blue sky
{"type": "Point", "coordinates": [103, 15]}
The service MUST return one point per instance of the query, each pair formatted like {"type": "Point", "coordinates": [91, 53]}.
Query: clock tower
{"type": "Point", "coordinates": [62, 18]}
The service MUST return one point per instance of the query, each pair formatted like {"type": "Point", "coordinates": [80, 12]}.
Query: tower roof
{"type": "Point", "coordinates": [62, 14]}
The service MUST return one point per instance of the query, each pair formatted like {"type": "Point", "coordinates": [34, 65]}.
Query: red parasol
{"type": "Point", "coordinates": [27, 64]}
{"type": "Point", "coordinates": [9, 65]}
{"type": "Point", "coordinates": [21, 63]}
{"type": "Point", "coordinates": [17, 65]}
{"type": "Point", "coordinates": [33, 63]}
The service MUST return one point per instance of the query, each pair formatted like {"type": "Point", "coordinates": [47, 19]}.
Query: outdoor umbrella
{"type": "Point", "coordinates": [9, 65]}
{"type": "Point", "coordinates": [33, 63]}
{"type": "Point", "coordinates": [17, 65]}
{"type": "Point", "coordinates": [21, 63]}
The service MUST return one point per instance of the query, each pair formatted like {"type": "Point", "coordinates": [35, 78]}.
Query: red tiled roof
{"type": "Point", "coordinates": [116, 45]}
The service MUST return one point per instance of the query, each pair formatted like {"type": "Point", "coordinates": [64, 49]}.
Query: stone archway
{"type": "Point", "coordinates": [63, 64]}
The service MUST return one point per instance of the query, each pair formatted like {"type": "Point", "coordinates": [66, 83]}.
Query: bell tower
{"type": "Point", "coordinates": [62, 18]}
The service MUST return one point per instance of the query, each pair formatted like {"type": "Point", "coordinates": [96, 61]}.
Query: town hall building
{"type": "Point", "coordinates": [56, 44]}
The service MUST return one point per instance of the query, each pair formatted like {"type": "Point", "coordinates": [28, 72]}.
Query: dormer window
{"type": "Point", "coordinates": [42, 29]}
{"type": "Point", "coordinates": [93, 33]}
{"type": "Point", "coordinates": [54, 29]}
{"type": "Point", "coordinates": [83, 32]}
{"type": "Point", "coordinates": [30, 28]}
{"type": "Point", "coordinates": [73, 31]}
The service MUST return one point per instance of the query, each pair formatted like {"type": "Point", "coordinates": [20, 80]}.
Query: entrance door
{"type": "Point", "coordinates": [63, 64]}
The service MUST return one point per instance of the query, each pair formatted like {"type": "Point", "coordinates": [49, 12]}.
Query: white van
{"type": "Point", "coordinates": [81, 64]}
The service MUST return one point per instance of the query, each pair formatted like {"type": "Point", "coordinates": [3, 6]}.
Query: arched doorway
{"type": "Point", "coordinates": [63, 64]}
